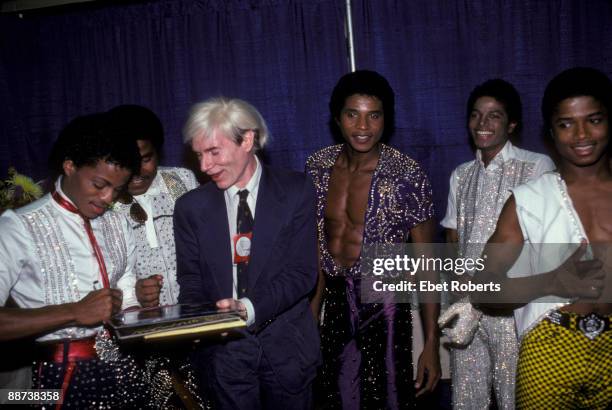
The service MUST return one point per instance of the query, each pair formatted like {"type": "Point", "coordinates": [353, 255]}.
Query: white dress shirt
{"type": "Point", "coordinates": [231, 205]}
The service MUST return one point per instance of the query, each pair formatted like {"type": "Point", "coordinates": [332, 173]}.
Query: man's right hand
{"type": "Point", "coordinates": [577, 278]}
{"type": "Point", "coordinates": [148, 289]}
{"type": "Point", "coordinates": [98, 306]}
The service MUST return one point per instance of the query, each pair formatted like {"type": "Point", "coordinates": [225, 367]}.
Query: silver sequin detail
{"type": "Point", "coordinates": [481, 196]}
{"type": "Point", "coordinates": [393, 174]}
{"type": "Point", "coordinates": [489, 361]}
{"type": "Point", "coordinates": [113, 235]}
{"type": "Point", "coordinates": [59, 280]}
{"type": "Point", "coordinates": [571, 211]}
{"type": "Point", "coordinates": [56, 264]}
{"type": "Point", "coordinates": [490, 358]}
{"type": "Point", "coordinates": [158, 375]}
{"type": "Point", "coordinates": [175, 185]}
{"type": "Point", "coordinates": [106, 347]}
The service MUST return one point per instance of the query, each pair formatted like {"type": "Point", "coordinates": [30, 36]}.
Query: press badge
{"type": "Point", "coordinates": [242, 247]}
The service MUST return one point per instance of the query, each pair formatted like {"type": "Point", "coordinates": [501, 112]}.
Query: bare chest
{"type": "Point", "coordinates": [594, 208]}
{"type": "Point", "coordinates": [348, 194]}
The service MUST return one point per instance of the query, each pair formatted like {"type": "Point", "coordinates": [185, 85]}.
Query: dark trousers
{"type": "Point", "coordinates": [239, 376]}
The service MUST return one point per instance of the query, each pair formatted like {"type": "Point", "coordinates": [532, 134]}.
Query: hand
{"type": "Point", "coordinates": [428, 368]}
{"type": "Point", "coordinates": [147, 290]}
{"type": "Point", "coordinates": [232, 304]}
{"type": "Point", "coordinates": [577, 278]}
{"type": "Point", "coordinates": [98, 306]}
{"type": "Point", "coordinates": [464, 318]}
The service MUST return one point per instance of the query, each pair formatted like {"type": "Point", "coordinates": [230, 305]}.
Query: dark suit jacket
{"type": "Point", "coordinates": [282, 270]}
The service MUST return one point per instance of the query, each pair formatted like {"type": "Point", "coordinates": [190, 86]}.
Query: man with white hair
{"type": "Point", "coordinates": [247, 241]}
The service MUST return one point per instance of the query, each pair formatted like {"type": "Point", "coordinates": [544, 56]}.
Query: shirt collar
{"type": "Point", "coordinates": [507, 153]}
{"type": "Point", "coordinates": [252, 186]}
{"type": "Point", "coordinates": [154, 188]}
{"type": "Point", "coordinates": [58, 188]}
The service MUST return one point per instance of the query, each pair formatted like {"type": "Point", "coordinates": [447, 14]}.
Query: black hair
{"type": "Point", "coordinates": [87, 140]}
{"type": "Point", "coordinates": [363, 82]}
{"type": "Point", "coordinates": [138, 123]}
{"type": "Point", "coordinates": [506, 94]}
{"type": "Point", "coordinates": [576, 82]}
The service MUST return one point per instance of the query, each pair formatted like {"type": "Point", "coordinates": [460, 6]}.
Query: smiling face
{"type": "Point", "coordinates": [148, 168]}
{"type": "Point", "coordinates": [93, 189]}
{"type": "Point", "coordinates": [581, 131]}
{"type": "Point", "coordinates": [489, 126]}
{"type": "Point", "coordinates": [362, 122]}
{"type": "Point", "coordinates": [224, 161]}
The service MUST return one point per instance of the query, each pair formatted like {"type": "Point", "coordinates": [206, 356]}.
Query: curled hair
{"type": "Point", "coordinates": [87, 140]}
{"type": "Point", "coordinates": [575, 82]}
{"type": "Point", "coordinates": [363, 82]}
{"type": "Point", "coordinates": [503, 92]}
{"type": "Point", "coordinates": [138, 123]}
{"type": "Point", "coordinates": [232, 117]}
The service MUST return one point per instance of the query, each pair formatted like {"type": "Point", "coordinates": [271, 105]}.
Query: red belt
{"type": "Point", "coordinates": [70, 352]}
{"type": "Point", "coordinates": [74, 350]}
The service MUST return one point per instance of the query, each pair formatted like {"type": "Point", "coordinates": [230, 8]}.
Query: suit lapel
{"type": "Point", "coordinates": [215, 239]}
{"type": "Point", "coordinates": [270, 206]}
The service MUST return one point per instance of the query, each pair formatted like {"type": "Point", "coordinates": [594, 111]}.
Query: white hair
{"type": "Point", "coordinates": [233, 117]}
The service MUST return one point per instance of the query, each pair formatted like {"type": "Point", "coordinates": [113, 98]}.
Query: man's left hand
{"type": "Point", "coordinates": [428, 369]}
{"type": "Point", "coordinates": [233, 304]}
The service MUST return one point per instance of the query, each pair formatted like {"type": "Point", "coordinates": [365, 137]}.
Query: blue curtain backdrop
{"type": "Point", "coordinates": [285, 56]}
{"type": "Point", "coordinates": [435, 52]}
{"type": "Point", "coordinates": [282, 56]}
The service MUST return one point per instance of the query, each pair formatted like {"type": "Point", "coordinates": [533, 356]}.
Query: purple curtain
{"type": "Point", "coordinates": [285, 56]}
{"type": "Point", "coordinates": [282, 56]}
{"type": "Point", "coordinates": [435, 52]}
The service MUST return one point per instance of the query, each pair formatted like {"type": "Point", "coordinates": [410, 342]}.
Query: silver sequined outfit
{"type": "Point", "coordinates": [476, 198]}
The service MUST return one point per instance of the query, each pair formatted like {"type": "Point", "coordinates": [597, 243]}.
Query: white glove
{"type": "Point", "coordinates": [466, 320]}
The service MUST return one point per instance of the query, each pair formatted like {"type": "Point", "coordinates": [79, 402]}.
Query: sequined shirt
{"type": "Point", "coordinates": [46, 258]}
{"type": "Point", "coordinates": [400, 198]}
{"type": "Point", "coordinates": [155, 238]}
{"type": "Point", "coordinates": [478, 194]}
{"type": "Point", "coordinates": [375, 337]}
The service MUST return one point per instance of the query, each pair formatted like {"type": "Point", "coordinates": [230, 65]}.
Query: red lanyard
{"type": "Point", "coordinates": [94, 243]}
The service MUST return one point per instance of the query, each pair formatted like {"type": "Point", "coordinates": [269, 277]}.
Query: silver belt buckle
{"type": "Point", "coordinates": [555, 317]}
{"type": "Point", "coordinates": [591, 325]}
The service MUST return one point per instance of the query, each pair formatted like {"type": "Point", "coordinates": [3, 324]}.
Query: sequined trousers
{"type": "Point", "coordinates": [169, 376]}
{"type": "Point", "coordinates": [367, 351]}
{"type": "Point", "coordinates": [488, 361]}
{"type": "Point", "coordinates": [95, 384]}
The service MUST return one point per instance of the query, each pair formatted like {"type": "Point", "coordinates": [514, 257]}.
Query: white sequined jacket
{"type": "Point", "coordinates": [46, 258]}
